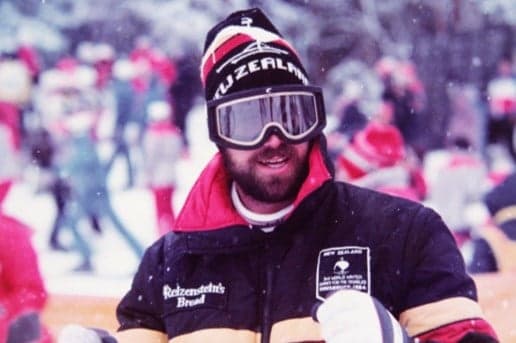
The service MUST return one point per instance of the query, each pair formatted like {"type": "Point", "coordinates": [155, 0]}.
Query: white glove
{"type": "Point", "coordinates": [353, 316]}
{"type": "Point", "coordinates": [74, 333]}
{"type": "Point", "coordinates": [79, 334]}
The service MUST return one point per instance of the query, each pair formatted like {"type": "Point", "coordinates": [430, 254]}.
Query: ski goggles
{"type": "Point", "coordinates": [245, 120]}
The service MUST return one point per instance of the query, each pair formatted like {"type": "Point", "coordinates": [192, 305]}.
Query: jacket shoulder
{"type": "Point", "coordinates": [368, 201]}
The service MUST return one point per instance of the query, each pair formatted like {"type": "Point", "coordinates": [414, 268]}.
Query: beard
{"type": "Point", "coordinates": [267, 188]}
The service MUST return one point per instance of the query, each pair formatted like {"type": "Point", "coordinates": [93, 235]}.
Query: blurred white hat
{"type": "Point", "coordinates": [15, 82]}
{"type": "Point", "coordinates": [90, 52]}
{"type": "Point", "coordinates": [104, 51]}
{"type": "Point", "coordinates": [79, 122]}
{"type": "Point", "coordinates": [86, 52]}
{"type": "Point", "coordinates": [158, 110]}
{"type": "Point", "coordinates": [353, 89]}
{"type": "Point", "coordinates": [84, 77]}
{"type": "Point", "coordinates": [79, 77]}
{"type": "Point", "coordinates": [124, 69]}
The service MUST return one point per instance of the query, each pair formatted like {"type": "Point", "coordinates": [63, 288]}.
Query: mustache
{"type": "Point", "coordinates": [283, 150]}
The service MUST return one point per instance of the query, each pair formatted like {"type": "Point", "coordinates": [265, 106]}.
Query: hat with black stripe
{"type": "Point", "coordinates": [245, 51]}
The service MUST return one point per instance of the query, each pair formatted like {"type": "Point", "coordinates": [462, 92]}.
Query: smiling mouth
{"type": "Point", "coordinates": [276, 162]}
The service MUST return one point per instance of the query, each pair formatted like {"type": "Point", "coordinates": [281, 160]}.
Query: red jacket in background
{"type": "Point", "coordinates": [21, 284]}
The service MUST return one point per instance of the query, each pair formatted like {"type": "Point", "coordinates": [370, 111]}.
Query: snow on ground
{"type": "Point", "coordinates": [114, 262]}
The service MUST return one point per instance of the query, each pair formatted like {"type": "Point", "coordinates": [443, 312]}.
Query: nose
{"type": "Point", "coordinates": [274, 141]}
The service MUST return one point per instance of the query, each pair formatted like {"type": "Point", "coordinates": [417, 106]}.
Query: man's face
{"type": "Point", "coordinates": [272, 173]}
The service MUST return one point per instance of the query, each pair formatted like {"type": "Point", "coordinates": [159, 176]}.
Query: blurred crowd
{"type": "Point", "coordinates": [74, 120]}
{"type": "Point", "coordinates": [63, 128]}
{"type": "Point", "coordinates": [468, 180]}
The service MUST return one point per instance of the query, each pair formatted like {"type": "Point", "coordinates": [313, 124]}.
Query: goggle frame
{"type": "Point", "coordinates": [272, 127]}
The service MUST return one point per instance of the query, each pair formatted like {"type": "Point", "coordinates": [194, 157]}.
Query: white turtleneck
{"type": "Point", "coordinates": [266, 222]}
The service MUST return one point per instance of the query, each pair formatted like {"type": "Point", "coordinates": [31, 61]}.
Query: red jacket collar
{"type": "Point", "coordinates": [5, 185]}
{"type": "Point", "coordinates": [209, 206]}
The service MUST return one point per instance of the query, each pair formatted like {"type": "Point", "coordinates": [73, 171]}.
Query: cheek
{"type": "Point", "coordinates": [237, 158]}
{"type": "Point", "coordinates": [302, 150]}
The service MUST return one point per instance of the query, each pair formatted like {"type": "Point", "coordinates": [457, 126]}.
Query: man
{"type": "Point", "coordinates": [266, 237]}
{"type": "Point", "coordinates": [494, 250]}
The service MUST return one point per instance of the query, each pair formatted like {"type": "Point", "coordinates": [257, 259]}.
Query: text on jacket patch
{"type": "Point", "coordinates": [346, 267]}
{"type": "Point", "coordinates": [190, 297]}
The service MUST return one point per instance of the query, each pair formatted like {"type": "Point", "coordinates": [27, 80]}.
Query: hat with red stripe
{"type": "Point", "coordinates": [245, 51]}
{"type": "Point", "coordinates": [377, 146]}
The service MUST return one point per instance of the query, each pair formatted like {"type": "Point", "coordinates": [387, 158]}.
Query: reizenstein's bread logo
{"type": "Point", "coordinates": [190, 297]}
{"type": "Point", "coordinates": [255, 65]}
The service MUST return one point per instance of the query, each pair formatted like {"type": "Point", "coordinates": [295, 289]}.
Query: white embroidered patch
{"type": "Point", "coordinates": [346, 267]}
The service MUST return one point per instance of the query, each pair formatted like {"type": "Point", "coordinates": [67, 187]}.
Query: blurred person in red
{"type": "Point", "coordinates": [101, 57]}
{"type": "Point", "coordinates": [22, 291]}
{"type": "Point", "coordinates": [377, 158]}
{"type": "Point", "coordinates": [405, 91]}
{"type": "Point", "coordinates": [103, 64]}
{"type": "Point", "coordinates": [162, 146]}
{"type": "Point", "coordinates": [161, 70]}
{"type": "Point", "coordinates": [156, 73]}
{"type": "Point", "coordinates": [15, 93]}
{"type": "Point", "coordinates": [28, 53]}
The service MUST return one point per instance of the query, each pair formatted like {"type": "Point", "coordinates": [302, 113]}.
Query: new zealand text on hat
{"type": "Point", "coordinates": [246, 51]}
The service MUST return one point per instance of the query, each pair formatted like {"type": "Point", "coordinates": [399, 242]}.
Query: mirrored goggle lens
{"type": "Point", "coordinates": [245, 121]}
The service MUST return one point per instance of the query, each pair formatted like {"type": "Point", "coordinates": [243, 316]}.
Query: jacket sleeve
{"type": "Point", "coordinates": [469, 330]}
{"type": "Point", "coordinates": [142, 306]}
{"type": "Point", "coordinates": [441, 302]}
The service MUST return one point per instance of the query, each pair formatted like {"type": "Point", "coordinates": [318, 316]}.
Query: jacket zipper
{"type": "Point", "coordinates": [267, 298]}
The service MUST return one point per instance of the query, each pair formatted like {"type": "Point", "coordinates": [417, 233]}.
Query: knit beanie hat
{"type": "Point", "coordinates": [376, 146]}
{"type": "Point", "coordinates": [245, 51]}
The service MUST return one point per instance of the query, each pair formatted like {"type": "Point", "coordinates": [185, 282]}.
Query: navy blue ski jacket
{"type": "Point", "coordinates": [216, 278]}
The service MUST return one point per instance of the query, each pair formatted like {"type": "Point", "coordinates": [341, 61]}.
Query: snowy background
{"type": "Point", "coordinates": [113, 261]}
